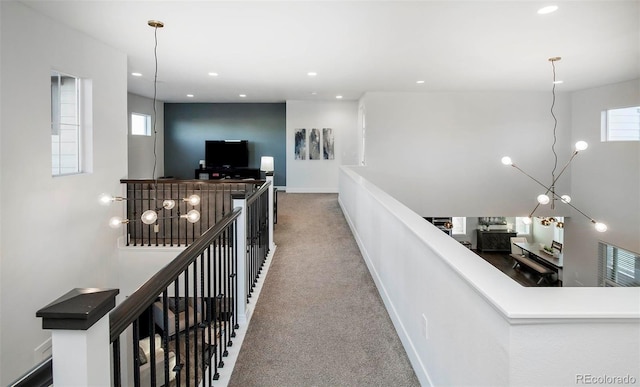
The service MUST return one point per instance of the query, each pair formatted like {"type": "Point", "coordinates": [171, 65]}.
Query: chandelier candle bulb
{"type": "Point", "coordinates": [194, 200]}
{"type": "Point", "coordinates": [116, 222]}
{"type": "Point", "coordinates": [581, 145]}
{"type": "Point", "coordinates": [506, 160]}
{"type": "Point", "coordinates": [543, 199]}
{"type": "Point", "coordinates": [149, 217]}
{"type": "Point", "coordinates": [192, 216]}
{"type": "Point", "coordinates": [600, 227]}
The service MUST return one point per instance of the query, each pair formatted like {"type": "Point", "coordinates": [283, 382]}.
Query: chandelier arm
{"type": "Point", "coordinates": [531, 177]}
{"type": "Point", "coordinates": [576, 208]}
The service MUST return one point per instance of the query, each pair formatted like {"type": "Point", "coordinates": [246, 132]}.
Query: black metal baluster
{"type": "Point", "coordinates": [133, 200]}
{"type": "Point", "coordinates": [204, 322]}
{"type": "Point", "coordinates": [196, 323]}
{"type": "Point", "coordinates": [232, 243]}
{"type": "Point", "coordinates": [136, 354]}
{"type": "Point", "coordinates": [165, 334]}
{"type": "Point", "coordinates": [187, 326]}
{"type": "Point", "coordinates": [152, 345]}
{"type": "Point", "coordinates": [117, 373]}
{"type": "Point", "coordinates": [176, 324]}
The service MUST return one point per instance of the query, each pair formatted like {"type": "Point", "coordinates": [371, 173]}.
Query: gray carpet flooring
{"type": "Point", "coordinates": [319, 320]}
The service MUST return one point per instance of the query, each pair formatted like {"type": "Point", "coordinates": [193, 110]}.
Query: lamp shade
{"type": "Point", "coordinates": [266, 163]}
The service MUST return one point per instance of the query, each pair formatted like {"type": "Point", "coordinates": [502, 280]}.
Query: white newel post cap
{"type": "Point", "coordinates": [80, 337]}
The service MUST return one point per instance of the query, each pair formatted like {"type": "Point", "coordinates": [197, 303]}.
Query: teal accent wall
{"type": "Point", "coordinates": [188, 125]}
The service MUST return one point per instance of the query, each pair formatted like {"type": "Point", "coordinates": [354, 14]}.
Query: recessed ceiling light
{"type": "Point", "coordinates": [190, 95]}
{"type": "Point", "coordinates": [314, 93]}
{"type": "Point", "coordinates": [213, 74]}
{"type": "Point", "coordinates": [420, 82]}
{"type": "Point", "coordinates": [243, 96]}
{"type": "Point", "coordinates": [312, 73]}
{"type": "Point", "coordinates": [547, 9]}
{"type": "Point", "coordinates": [136, 74]}
{"type": "Point", "coordinates": [338, 97]}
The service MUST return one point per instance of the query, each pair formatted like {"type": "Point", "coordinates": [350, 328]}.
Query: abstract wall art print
{"type": "Point", "coordinates": [327, 144]}
{"type": "Point", "coordinates": [314, 144]}
{"type": "Point", "coordinates": [300, 144]}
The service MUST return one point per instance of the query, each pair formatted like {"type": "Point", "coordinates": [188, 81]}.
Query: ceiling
{"type": "Point", "coordinates": [265, 49]}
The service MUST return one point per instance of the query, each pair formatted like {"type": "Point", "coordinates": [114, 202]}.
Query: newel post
{"type": "Point", "coordinates": [79, 322]}
{"type": "Point", "coordinates": [269, 176]}
{"type": "Point", "coordinates": [240, 200]}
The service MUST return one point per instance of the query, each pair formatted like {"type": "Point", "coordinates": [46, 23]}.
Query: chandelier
{"type": "Point", "coordinates": [550, 196]}
{"type": "Point", "coordinates": [150, 216]}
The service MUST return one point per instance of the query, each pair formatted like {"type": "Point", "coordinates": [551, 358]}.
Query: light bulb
{"type": "Point", "coordinates": [105, 199]}
{"type": "Point", "coordinates": [192, 216]}
{"type": "Point", "coordinates": [565, 199]}
{"type": "Point", "coordinates": [116, 222]}
{"type": "Point", "coordinates": [600, 227]}
{"type": "Point", "coordinates": [560, 225]}
{"type": "Point", "coordinates": [543, 199]}
{"type": "Point", "coordinates": [194, 200]}
{"type": "Point", "coordinates": [168, 204]}
{"type": "Point", "coordinates": [149, 217]}
{"type": "Point", "coordinates": [545, 222]}
{"type": "Point", "coordinates": [527, 220]}
{"type": "Point", "coordinates": [581, 145]}
{"type": "Point", "coordinates": [506, 160]}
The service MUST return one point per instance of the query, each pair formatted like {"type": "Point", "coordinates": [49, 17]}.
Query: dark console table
{"type": "Point", "coordinates": [495, 240]}
{"type": "Point", "coordinates": [227, 173]}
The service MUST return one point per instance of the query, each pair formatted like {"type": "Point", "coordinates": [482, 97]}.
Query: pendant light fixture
{"type": "Point", "coordinates": [150, 216]}
{"type": "Point", "coordinates": [550, 196]}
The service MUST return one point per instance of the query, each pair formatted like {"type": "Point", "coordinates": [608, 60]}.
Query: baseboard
{"type": "Point", "coordinates": [412, 354]}
{"type": "Point", "coordinates": [234, 350]}
{"type": "Point", "coordinates": [312, 190]}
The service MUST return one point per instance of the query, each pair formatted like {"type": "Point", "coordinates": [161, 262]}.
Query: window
{"type": "Point", "coordinates": [140, 124]}
{"type": "Point", "coordinates": [459, 226]}
{"type": "Point", "coordinates": [522, 227]}
{"type": "Point", "coordinates": [617, 266]}
{"type": "Point", "coordinates": [65, 124]}
{"type": "Point", "coordinates": [621, 124]}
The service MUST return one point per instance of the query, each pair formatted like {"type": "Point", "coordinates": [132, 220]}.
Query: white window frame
{"type": "Point", "coordinates": [140, 131]}
{"type": "Point", "coordinates": [459, 225]}
{"type": "Point", "coordinates": [71, 112]}
{"type": "Point", "coordinates": [621, 124]}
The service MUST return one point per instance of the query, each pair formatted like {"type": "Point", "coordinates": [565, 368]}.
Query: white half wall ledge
{"type": "Point", "coordinates": [474, 311]}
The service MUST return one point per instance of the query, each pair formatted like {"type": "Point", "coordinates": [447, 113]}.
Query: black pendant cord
{"type": "Point", "coordinates": [555, 124]}
{"type": "Point", "coordinates": [155, 114]}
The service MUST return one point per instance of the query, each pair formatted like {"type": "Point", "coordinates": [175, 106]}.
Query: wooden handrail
{"type": "Point", "coordinates": [193, 181]}
{"type": "Point", "coordinates": [255, 195]}
{"type": "Point", "coordinates": [125, 313]}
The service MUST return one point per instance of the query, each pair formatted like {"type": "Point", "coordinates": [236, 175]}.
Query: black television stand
{"type": "Point", "coordinates": [213, 173]}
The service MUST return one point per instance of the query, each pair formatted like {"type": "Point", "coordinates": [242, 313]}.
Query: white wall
{"type": "Point", "coordinates": [321, 175]}
{"type": "Point", "coordinates": [140, 151]}
{"type": "Point", "coordinates": [482, 328]}
{"type": "Point", "coordinates": [605, 185]}
{"type": "Point", "coordinates": [54, 235]}
{"type": "Point", "coordinates": [440, 152]}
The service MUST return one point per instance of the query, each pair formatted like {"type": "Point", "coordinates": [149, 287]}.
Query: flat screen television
{"type": "Point", "coordinates": [226, 153]}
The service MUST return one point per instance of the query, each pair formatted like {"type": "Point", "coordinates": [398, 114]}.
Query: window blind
{"type": "Point", "coordinates": [623, 124]}
{"type": "Point", "coordinates": [617, 266]}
